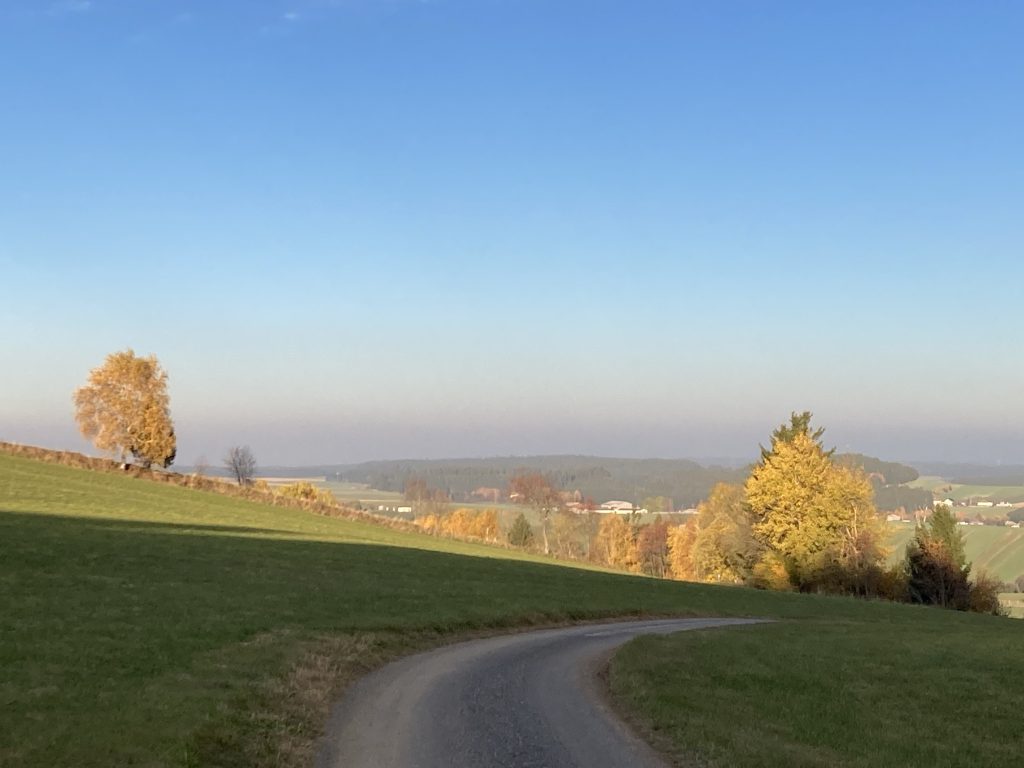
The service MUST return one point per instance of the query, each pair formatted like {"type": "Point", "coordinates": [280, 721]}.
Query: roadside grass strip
{"type": "Point", "coordinates": [932, 688]}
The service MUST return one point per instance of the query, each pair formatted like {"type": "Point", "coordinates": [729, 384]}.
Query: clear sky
{"type": "Point", "coordinates": [384, 228]}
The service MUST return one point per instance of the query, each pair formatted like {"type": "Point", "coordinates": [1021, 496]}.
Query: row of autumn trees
{"type": "Point", "coordinates": [800, 521]}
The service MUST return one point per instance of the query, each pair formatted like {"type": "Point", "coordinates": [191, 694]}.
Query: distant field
{"type": "Point", "coordinates": [360, 492]}
{"type": "Point", "coordinates": [995, 550]}
{"type": "Point", "coordinates": [1014, 603]}
{"type": "Point", "coordinates": [929, 483]}
{"type": "Point", "coordinates": [943, 488]}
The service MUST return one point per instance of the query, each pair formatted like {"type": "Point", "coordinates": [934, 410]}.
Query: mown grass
{"type": "Point", "coordinates": [929, 688]}
{"type": "Point", "coordinates": [152, 625]}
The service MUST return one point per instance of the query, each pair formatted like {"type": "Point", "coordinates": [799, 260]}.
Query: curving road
{"type": "Point", "coordinates": [529, 700]}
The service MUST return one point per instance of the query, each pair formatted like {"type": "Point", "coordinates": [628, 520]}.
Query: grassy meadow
{"type": "Point", "coordinates": [933, 688]}
{"type": "Point", "coordinates": [151, 625]}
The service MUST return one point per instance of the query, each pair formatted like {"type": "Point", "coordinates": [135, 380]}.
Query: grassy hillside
{"type": "Point", "coordinates": [153, 625]}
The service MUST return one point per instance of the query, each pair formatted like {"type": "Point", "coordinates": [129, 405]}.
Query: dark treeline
{"type": "Point", "coordinates": [888, 479]}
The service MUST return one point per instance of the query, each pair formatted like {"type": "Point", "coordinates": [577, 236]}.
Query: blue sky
{"type": "Point", "coordinates": [381, 228]}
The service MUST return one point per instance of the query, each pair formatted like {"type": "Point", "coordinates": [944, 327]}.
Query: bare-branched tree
{"type": "Point", "coordinates": [241, 463]}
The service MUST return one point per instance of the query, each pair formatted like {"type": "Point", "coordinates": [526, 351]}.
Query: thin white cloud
{"type": "Point", "coordinates": [290, 16]}
{"type": "Point", "coordinates": [66, 7]}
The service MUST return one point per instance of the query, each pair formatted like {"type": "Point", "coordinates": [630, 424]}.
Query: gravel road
{"type": "Point", "coordinates": [529, 700]}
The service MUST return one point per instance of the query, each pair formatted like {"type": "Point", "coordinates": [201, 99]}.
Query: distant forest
{"type": "Point", "coordinates": [685, 482]}
{"type": "Point", "coordinates": [888, 479]}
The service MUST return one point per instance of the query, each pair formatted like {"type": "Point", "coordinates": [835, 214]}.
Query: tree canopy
{"type": "Point", "coordinates": [813, 513]}
{"type": "Point", "coordinates": [124, 409]}
{"type": "Point", "coordinates": [725, 548]}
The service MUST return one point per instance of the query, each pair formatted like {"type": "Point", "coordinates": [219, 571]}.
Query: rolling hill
{"type": "Point", "coordinates": [149, 624]}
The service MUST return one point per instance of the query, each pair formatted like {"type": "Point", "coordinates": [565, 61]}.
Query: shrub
{"type": "Point", "coordinates": [984, 596]}
{"type": "Point", "coordinates": [306, 491]}
{"type": "Point", "coordinates": [770, 572]}
{"type": "Point", "coordinates": [892, 584]}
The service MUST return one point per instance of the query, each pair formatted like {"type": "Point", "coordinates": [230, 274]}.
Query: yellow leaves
{"type": "Point", "coordinates": [617, 537]}
{"type": "Point", "coordinates": [429, 524]}
{"type": "Point", "coordinates": [811, 512]}
{"type": "Point", "coordinates": [724, 547]}
{"type": "Point", "coordinates": [462, 523]}
{"type": "Point", "coordinates": [306, 491]}
{"type": "Point", "coordinates": [770, 572]}
{"type": "Point", "coordinates": [124, 408]}
{"type": "Point", "coordinates": [680, 550]}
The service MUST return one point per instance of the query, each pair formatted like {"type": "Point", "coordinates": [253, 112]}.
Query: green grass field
{"type": "Point", "coordinates": [931, 483]}
{"type": "Point", "coordinates": [152, 625]}
{"type": "Point", "coordinates": [936, 689]}
{"type": "Point", "coordinates": [943, 488]}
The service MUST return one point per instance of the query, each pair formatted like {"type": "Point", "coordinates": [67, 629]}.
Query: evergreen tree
{"type": "Point", "coordinates": [937, 569]}
{"type": "Point", "coordinates": [799, 424]}
{"type": "Point", "coordinates": [520, 534]}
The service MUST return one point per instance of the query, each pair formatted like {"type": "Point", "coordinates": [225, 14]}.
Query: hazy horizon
{"type": "Point", "coordinates": [369, 229]}
{"type": "Point", "coordinates": [303, 445]}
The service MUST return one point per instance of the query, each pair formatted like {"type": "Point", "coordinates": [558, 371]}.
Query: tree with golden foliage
{"type": "Point", "coordinates": [817, 516]}
{"type": "Point", "coordinates": [124, 409]}
{"type": "Point", "coordinates": [616, 538]}
{"type": "Point", "coordinates": [680, 550]}
{"type": "Point", "coordinates": [724, 548]}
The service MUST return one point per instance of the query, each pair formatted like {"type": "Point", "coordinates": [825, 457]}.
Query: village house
{"type": "Point", "coordinates": [619, 507]}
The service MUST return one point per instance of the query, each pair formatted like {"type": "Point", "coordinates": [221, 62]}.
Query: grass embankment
{"type": "Point", "coordinates": [145, 624]}
{"type": "Point", "coordinates": [924, 688]}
